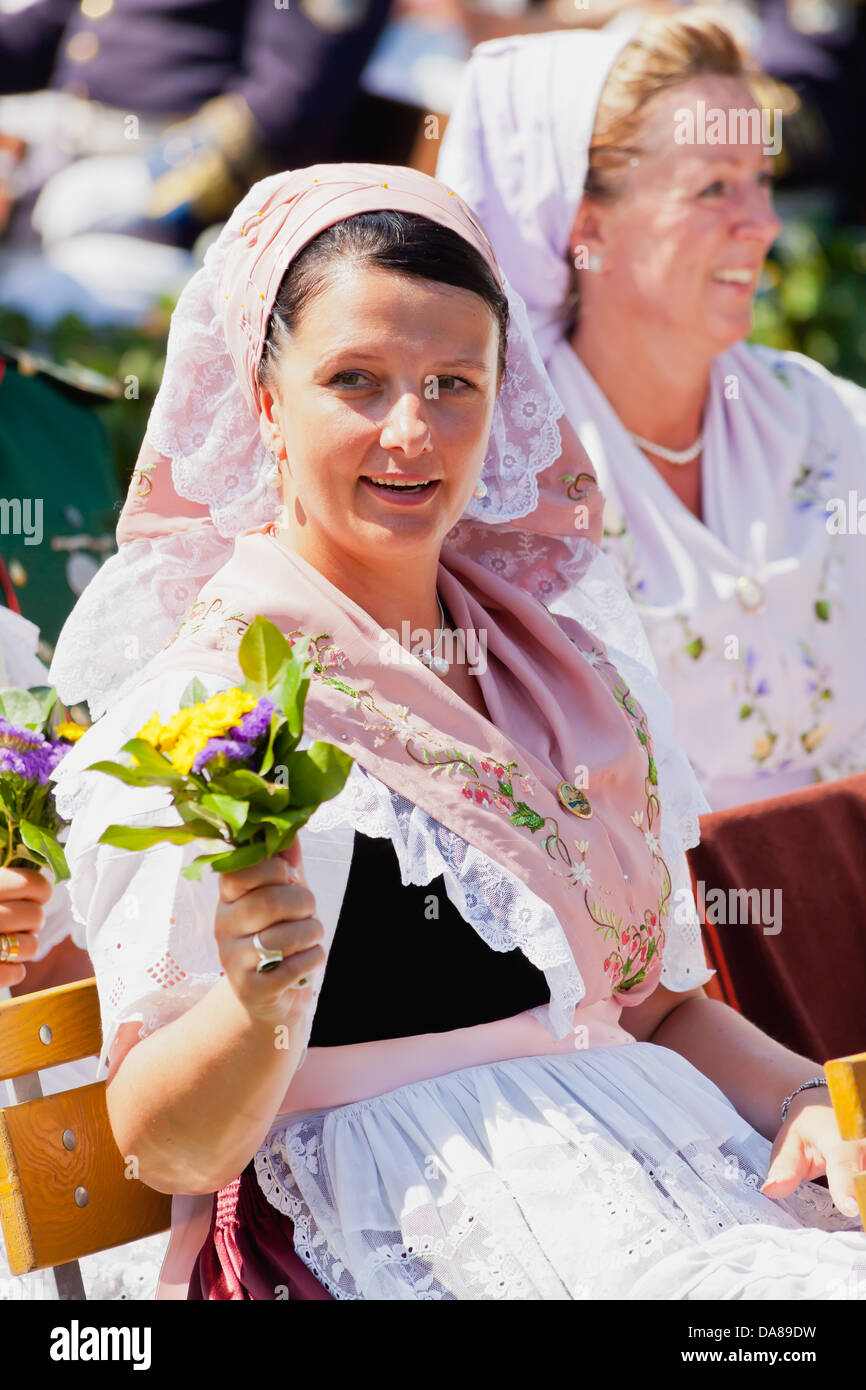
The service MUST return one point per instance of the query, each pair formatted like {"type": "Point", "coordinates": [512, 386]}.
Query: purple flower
{"type": "Point", "coordinates": [234, 749]}
{"type": "Point", "coordinates": [762, 688]}
{"type": "Point", "coordinates": [750, 659]}
{"type": "Point", "coordinates": [15, 736]}
{"type": "Point", "coordinates": [255, 722]}
{"type": "Point", "coordinates": [33, 765]}
{"type": "Point", "coordinates": [29, 754]}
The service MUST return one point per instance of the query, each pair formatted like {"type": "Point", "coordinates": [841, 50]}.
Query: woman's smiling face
{"type": "Point", "coordinates": [380, 409]}
{"type": "Point", "coordinates": [684, 244]}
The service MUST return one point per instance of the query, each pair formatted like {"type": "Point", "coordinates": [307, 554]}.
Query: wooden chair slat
{"type": "Point", "coordinates": [846, 1077]}
{"type": "Point", "coordinates": [39, 1177]}
{"type": "Point", "coordinates": [70, 1012]}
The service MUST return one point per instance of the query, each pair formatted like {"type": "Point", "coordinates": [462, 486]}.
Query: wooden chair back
{"type": "Point", "coordinates": [65, 1188]}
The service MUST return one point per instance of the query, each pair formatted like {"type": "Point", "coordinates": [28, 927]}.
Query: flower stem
{"type": "Point", "coordinates": [9, 854]}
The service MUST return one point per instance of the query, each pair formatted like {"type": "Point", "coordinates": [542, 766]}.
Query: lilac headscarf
{"type": "Point", "coordinates": [521, 163]}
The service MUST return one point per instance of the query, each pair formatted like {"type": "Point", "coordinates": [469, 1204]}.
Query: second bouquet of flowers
{"type": "Point", "coordinates": [232, 762]}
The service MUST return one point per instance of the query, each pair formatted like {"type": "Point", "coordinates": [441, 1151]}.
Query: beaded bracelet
{"type": "Point", "coordinates": [807, 1085]}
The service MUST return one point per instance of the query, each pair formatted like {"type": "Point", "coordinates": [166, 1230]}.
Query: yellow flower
{"type": "Point", "coordinates": [763, 748]}
{"type": "Point", "coordinates": [815, 736]}
{"type": "Point", "coordinates": [151, 731]}
{"type": "Point", "coordinates": [71, 732]}
{"type": "Point", "coordinates": [187, 732]}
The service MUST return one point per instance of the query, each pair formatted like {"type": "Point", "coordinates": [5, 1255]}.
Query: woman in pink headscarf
{"type": "Point", "coordinates": [625, 182]}
{"type": "Point", "coordinates": [434, 1094]}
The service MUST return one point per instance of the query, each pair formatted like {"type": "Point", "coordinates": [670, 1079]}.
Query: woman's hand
{"type": "Point", "coordinates": [808, 1146]}
{"type": "Point", "coordinates": [22, 895]}
{"type": "Point", "coordinates": [270, 898]}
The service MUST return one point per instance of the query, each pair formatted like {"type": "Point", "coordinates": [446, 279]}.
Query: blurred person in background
{"type": "Point", "coordinates": [818, 49]}
{"type": "Point", "coordinates": [639, 256]}
{"type": "Point", "coordinates": [153, 118]}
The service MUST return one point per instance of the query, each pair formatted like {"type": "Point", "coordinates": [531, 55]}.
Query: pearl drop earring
{"type": "Point", "coordinates": [595, 262]}
{"type": "Point", "coordinates": [480, 489]}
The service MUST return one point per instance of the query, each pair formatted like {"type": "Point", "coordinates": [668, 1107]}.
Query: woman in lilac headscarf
{"type": "Point", "coordinates": [625, 183]}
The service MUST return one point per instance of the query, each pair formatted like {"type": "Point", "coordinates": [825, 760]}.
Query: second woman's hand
{"type": "Point", "coordinates": [23, 894]}
{"type": "Point", "coordinates": [270, 900]}
{"type": "Point", "coordinates": [808, 1146]}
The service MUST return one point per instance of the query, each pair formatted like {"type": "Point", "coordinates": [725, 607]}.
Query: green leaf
{"type": "Point", "coordinates": [151, 760]}
{"type": "Point", "coordinates": [46, 845]}
{"type": "Point", "coordinates": [131, 775]}
{"type": "Point", "coordinates": [653, 772]}
{"type": "Point", "coordinates": [190, 811]}
{"type": "Point", "coordinates": [242, 782]}
{"type": "Point", "coordinates": [262, 653]}
{"type": "Point", "coordinates": [23, 708]}
{"type": "Point", "coordinates": [277, 723]}
{"type": "Point", "coordinates": [194, 694]}
{"type": "Point", "coordinates": [235, 859]}
{"type": "Point", "coordinates": [695, 648]}
{"type": "Point", "coordinates": [317, 774]}
{"type": "Point", "coordinates": [287, 822]}
{"type": "Point", "coordinates": [233, 811]}
{"type": "Point", "coordinates": [153, 769]}
{"type": "Point", "coordinates": [137, 837]}
{"type": "Point", "coordinates": [745, 711]}
{"type": "Point", "coordinates": [822, 610]}
{"type": "Point", "coordinates": [291, 694]}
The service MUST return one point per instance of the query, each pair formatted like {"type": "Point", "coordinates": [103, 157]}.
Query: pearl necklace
{"type": "Point", "coordinates": [677, 456]}
{"type": "Point", "coordinates": [429, 658]}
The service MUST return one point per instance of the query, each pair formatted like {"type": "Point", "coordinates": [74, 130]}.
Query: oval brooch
{"type": "Point", "coordinates": [574, 800]}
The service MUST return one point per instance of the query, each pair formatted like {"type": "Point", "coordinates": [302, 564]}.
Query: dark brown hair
{"type": "Point", "coordinates": [405, 243]}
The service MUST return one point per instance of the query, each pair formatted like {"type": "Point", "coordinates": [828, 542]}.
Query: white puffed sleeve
{"type": "Point", "coordinates": [148, 930]}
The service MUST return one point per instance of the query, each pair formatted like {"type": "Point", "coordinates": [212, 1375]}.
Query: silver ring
{"type": "Point", "coordinates": [268, 960]}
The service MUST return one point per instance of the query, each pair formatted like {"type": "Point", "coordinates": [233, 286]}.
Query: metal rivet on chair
{"type": "Point", "coordinates": [69, 1139]}
{"type": "Point", "coordinates": [45, 1034]}
{"type": "Point", "coordinates": [82, 1197]}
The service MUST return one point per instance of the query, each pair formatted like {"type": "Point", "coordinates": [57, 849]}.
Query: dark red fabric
{"type": "Point", "coordinates": [805, 986]}
{"type": "Point", "coordinates": [249, 1254]}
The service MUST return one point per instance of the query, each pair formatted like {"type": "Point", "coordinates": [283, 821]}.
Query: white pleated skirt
{"type": "Point", "coordinates": [612, 1172]}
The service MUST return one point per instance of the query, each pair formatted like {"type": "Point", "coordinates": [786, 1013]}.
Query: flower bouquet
{"type": "Point", "coordinates": [232, 763]}
{"type": "Point", "coordinates": [30, 750]}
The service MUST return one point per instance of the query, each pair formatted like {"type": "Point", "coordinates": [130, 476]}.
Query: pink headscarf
{"type": "Point", "coordinates": [555, 702]}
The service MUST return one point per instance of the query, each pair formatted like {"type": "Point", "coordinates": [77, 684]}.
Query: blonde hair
{"type": "Point", "coordinates": [666, 52]}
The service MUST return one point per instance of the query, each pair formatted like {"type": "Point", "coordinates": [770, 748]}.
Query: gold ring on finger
{"type": "Point", "coordinates": [9, 946]}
